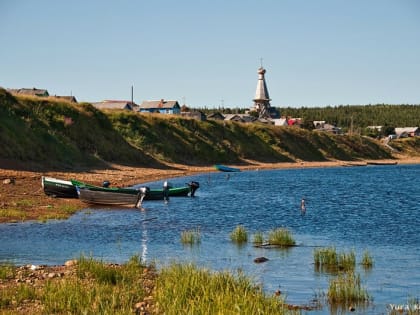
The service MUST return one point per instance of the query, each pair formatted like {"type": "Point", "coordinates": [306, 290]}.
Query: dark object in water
{"type": "Point", "coordinates": [259, 260]}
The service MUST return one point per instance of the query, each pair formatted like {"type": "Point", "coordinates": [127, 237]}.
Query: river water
{"type": "Point", "coordinates": [373, 208]}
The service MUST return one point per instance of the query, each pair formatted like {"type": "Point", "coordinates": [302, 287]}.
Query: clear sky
{"type": "Point", "coordinates": [206, 53]}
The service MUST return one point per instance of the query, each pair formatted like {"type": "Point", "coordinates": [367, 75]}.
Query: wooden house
{"type": "Point", "coordinates": [30, 92]}
{"type": "Point", "coordinates": [216, 116]}
{"type": "Point", "coordinates": [112, 104]}
{"type": "Point", "coordinates": [162, 107]}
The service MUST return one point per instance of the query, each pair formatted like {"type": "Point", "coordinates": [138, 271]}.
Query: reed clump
{"type": "Point", "coordinates": [327, 259]}
{"type": "Point", "coordinates": [186, 289]}
{"type": "Point", "coordinates": [281, 237]}
{"type": "Point", "coordinates": [258, 238]}
{"type": "Point", "coordinates": [346, 289]}
{"type": "Point", "coordinates": [367, 260]}
{"type": "Point", "coordinates": [191, 237]}
{"type": "Point", "coordinates": [239, 234]}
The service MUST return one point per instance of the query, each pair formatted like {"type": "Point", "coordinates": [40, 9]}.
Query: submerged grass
{"type": "Point", "coordinates": [327, 259]}
{"type": "Point", "coordinates": [185, 289]}
{"type": "Point", "coordinates": [258, 238]}
{"type": "Point", "coordinates": [346, 288]}
{"type": "Point", "coordinates": [191, 237]}
{"type": "Point", "coordinates": [281, 237]}
{"type": "Point", "coordinates": [367, 260]}
{"type": "Point", "coordinates": [239, 234]}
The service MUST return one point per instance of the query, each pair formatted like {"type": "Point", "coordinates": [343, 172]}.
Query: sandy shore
{"type": "Point", "coordinates": [22, 198]}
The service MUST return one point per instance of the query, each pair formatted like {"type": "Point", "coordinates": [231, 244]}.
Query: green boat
{"type": "Point", "coordinates": [151, 194]}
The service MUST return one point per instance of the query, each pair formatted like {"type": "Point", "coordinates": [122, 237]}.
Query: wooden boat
{"type": "Point", "coordinates": [151, 194]}
{"type": "Point", "coordinates": [58, 188]}
{"type": "Point", "coordinates": [224, 168]}
{"type": "Point", "coordinates": [382, 162]}
{"type": "Point", "coordinates": [112, 196]}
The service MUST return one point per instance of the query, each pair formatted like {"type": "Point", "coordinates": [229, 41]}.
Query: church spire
{"type": "Point", "coordinates": [262, 99]}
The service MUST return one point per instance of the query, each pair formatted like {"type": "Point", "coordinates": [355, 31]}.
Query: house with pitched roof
{"type": "Point", "coordinates": [113, 104]}
{"type": "Point", "coordinates": [30, 92]}
{"type": "Point", "coordinates": [407, 132]}
{"type": "Point", "coordinates": [162, 107]}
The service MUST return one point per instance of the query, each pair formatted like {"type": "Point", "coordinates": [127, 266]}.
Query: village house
{"type": "Point", "coordinates": [113, 104]}
{"type": "Point", "coordinates": [321, 125]}
{"type": "Point", "coordinates": [70, 99]}
{"type": "Point", "coordinates": [29, 92]}
{"type": "Point", "coordinates": [195, 114]}
{"type": "Point", "coordinates": [407, 132]}
{"type": "Point", "coordinates": [216, 116]}
{"type": "Point", "coordinates": [162, 106]}
{"type": "Point", "coordinates": [244, 118]}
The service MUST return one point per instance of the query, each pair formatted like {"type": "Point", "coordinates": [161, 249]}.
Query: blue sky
{"type": "Point", "coordinates": [206, 53]}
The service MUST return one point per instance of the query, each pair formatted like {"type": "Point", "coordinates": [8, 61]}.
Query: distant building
{"type": "Point", "coordinates": [407, 132]}
{"type": "Point", "coordinates": [70, 99]}
{"type": "Point", "coordinates": [162, 106]}
{"type": "Point", "coordinates": [216, 116]}
{"type": "Point", "coordinates": [30, 92]}
{"type": "Point", "coordinates": [280, 122]}
{"type": "Point", "coordinates": [196, 114]}
{"type": "Point", "coordinates": [262, 98]}
{"type": "Point", "coordinates": [245, 118]}
{"type": "Point", "coordinates": [113, 104]}
{"type": "Point", "coordinates": [322, 126]}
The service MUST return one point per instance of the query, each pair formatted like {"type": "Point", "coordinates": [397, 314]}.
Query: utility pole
{"type": "Point", "coordinates": [132, 94]}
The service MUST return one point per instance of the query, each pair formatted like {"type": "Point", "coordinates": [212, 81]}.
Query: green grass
{"type": "Point", "coordinates": [239, 234]}
{"type": "Point", "coordinates": [258, 238]}
{"type": "Point", "coordinates": [186, 289]}
{"type": "Point", "coordinates": [281, 237]}
{"type": "Point", "coordinates": [191, 237]}
{"type": "Point", "coordinates": [7, 271]}
{"type": "Point", "coordinates": [13, 214]}
{"type": "Point", "coordinates": [99, 288]}
{"type": "Point", "coordinates": [346, 288]}
{"type": "Point", "coordinates": [367, 260]}
{"type": "Point", "coordinates": [147, 140]}
{"type": "Point", "coordinates": [327, 259]}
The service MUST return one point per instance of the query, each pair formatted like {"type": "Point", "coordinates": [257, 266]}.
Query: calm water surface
{"type": "Point", "coordinates": [374, 208]}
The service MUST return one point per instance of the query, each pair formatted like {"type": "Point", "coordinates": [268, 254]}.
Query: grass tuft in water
{"type": "Point", "coordinates": [239, 234]}
{"type": "Point", "coordinates": [281, 237]}
{"type": "Point", "coordinates": [191, 237]}
{"type": "Point", "coordinates": [327, 259]}
{"type": "Point", "coordinates": [187, 289]}
{"type": "Point", "coordinates": [367, 260]}
{"type": "Point", "coordinates": [258, 238]}
{"type": "Point", "coordinates": [345, 289]}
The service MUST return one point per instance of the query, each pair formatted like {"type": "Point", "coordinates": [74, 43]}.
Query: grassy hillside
{"type": "Point", "coordinates": [56, 133]}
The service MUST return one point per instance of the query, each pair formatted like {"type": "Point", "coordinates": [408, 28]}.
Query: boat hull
{"type": "Point", "coordinates": [111, 198]}
{"type": "Point", "coordinates": [58, 188]}
{"type": "Point", "coordinates": [151, 194]}
{"type": "Point", "coordinates": [224, 168]}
